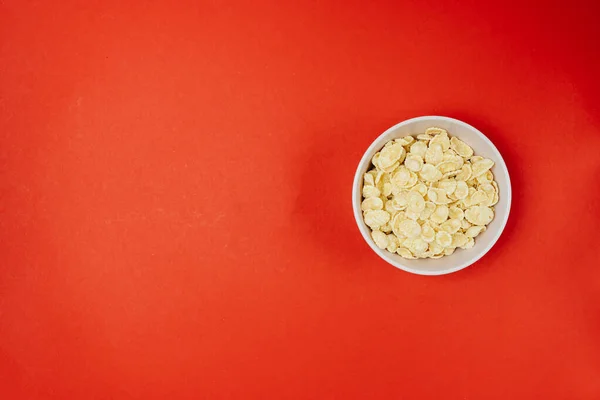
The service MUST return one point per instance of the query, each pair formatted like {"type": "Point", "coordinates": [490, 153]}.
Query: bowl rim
{"type": "Point", "coordinates": [357, 196]}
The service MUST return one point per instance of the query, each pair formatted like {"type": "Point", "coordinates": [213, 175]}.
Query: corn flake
{"type": "Point", "coordinates": [418, 149]}
{"type": "Point", "coordinates": [405, 141]}
{"type": "Point", "coordinates": [436, 131]}
{"type": "Point", "coordinates": [410, 228]}
{"type": "Point", "coordinates": [380, 239]}
{"type": "Point", "coordinates": [434, 154]}
{"type": "Point", "coordinates": [376, 218]}
{"type": "Point", "coordinates": [370, 191]}
{"type": "Point", "coordinates": [460, 147]}
{"type": "Point", "coordinates": [440, 214]}
{"type": "Point", "coordinates": [372, 203]}
{"type": "Point", "coordinates": [429, 173]}
{"type": "Point", "coordinates": [414, 162]}
{"type": "Point", "coordinates": [438, 196]}
{"type": "Point", "coordinates": [443, 238]}
{"type": "Point", "coordinates": [405, 253]}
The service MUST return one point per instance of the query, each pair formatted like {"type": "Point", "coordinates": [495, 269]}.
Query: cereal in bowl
{"type": "Point", "coordinates": [428, 195]}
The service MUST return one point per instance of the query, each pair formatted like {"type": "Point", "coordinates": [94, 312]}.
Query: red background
{"type": "Point", "coordinates": [175, 209]}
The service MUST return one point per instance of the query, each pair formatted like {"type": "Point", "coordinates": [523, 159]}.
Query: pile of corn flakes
{"type": "Point", "coordinates": [427, 196]}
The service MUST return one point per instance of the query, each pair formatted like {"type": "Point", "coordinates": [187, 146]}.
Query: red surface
{"type": "Point", "coordinates": [175, 217]}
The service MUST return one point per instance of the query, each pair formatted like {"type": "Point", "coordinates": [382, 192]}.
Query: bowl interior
{"type": "Point", "coordinates": [482, 147]}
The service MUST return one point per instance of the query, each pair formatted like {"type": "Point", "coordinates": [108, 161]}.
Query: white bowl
{"type": "Point", "coordinates": [482, 147]}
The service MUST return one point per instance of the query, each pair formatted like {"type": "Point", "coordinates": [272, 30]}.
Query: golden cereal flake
{"type": "Point", "coordinates": [451, 226]}
{"type": "Point", "coordinates": [462, 190]}
{"type": "Point", "coordinates": [370, 191]}
{"type": "Point", "coordinates": [372, 203]}
{"type": "Point", "coordinates": [434, 154]}
{"type": "Point", "coordinates": [479, 215]}
{"type": "Point", "coordinates": [440, 214]}
{"type": "Point", "coordinates": [446, 167]}
{"type": "Point", "coordinates": [473, 231]}
{"type": "Point", "coordinates": [405, 253]}
{"type": "Point", "coordinates": [380, 239]}
{"type": "Point", "coordinates": [456, 213]}
{"type": "Point", "coordinates": [438, 196]}
{"type": "Point", "coordinates": [413, 162]}
{"type": "Point", "coordinates": [481, 167]}
{"type": "Point", "coordinates": [405, 141]}
{"type": "Point", "coordinates": [449, 185]}
{"type": "Point", "coordinates": [443, 238]}
{"type": "Point", "coordinates": [429, 173]}
{"type": "Point", "coordinates": [460, 147]}
{"type": "Point", "coordinates": [459, 239]}
{"type": "Point", "coordinates": [421, 188]}
{"type": "Point", "coordinates": [427, 233]}
{"type": "Point", "coordinates": [418, 149]}
{"type": "Point", "coordinates": [436, 131]}
{"type": "Point", "coordinates": [416, 203]}
{"type": "Point", "coordinates": [427, 211]}
{"type": "Point", "coordinates": [465, 173]}
{"type": "Point", "coordinates": [376, 218]}
{"type": "Point", "coordinates": [441, 139]}
{"type": "Point", "coordinates": [424, 137]}
{"type": "Point", "coordinates": [410, 228]}
{"type": "Point", "coordinates": [389, 155]}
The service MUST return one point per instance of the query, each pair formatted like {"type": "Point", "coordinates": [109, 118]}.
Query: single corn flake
{"type": "Point", "coordinates": [460, 147]}
{"type": "Point", "coordinates": [449, 250]}
{"type": "Point", "coordinates": [451, 226]}
{"type": "Point", "coordinates": [372, 203]}
{"type": "Point", "coordinates": [436, 131]}
{"type": "Point", "coordinates": [462, 190]}
{"type": "Point", "coordinates": [405, 253]}
{"type": "Point", "coordinates": [438, 196]}
{"type": "Point", "coordinates": [427, 233]}
{"type": "Point", "coordinates": [474, 231]}
{"type": "Point", "coordinates": [446, 167]}
{"type": "Point", "coordinates": [429, 173]}
{"type": "Point", "coordinates": [470, 243]}
{"type": "Point", "coordinates": [459, 239]}
{"type": "Point", "coordinates": [393, 243]}
{"type": "Point", "coordinates": [380, 239]}
{"type": "Point", "coordinates": [456, 213]}
{"type": "Point", "coordinates": [443, 140]}
{"type": "Point", "coordinates": [482, 166]}
{"type": "Point", "coordinates": [405, 141]}
{"type": "Point", "coordinates": [416, 203]}
{"type": "Point", "coordinates": [410, 228]}
{"type": "Point", "coordinates": [448, 185]}
{"type": "Point", "coordinates": [434, 154]}
{"type": "Point", "coordinates": [390, 155]}
{"type": "Point", "coordinates": [479, 215]}
{"type": "Point", "coordinates": [418, 149]}
{"type": "Point", "coordinates": [418, 246]}
{"type": "Point", "coordinates": [465, 173]}
{"type": "Point", "coordinates": [370, 191]}
{"type": "Point", "coordinates": [421, 188]}
{"type": "Point", "coordinates": [440, 214]}
{"type": "Point", "coordinates": [376, 218]}
{"type": "Point", "coordinates": [413, 162]}
{"type": "Point", "coordinates": [443, 238]}
{"type": "Point", "coordinates": [427, 211]}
